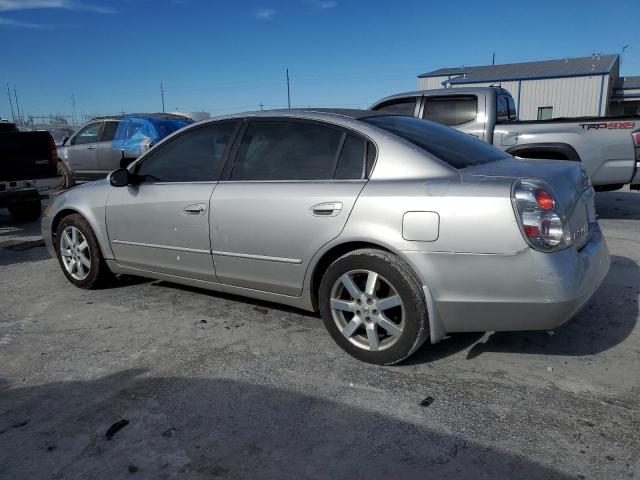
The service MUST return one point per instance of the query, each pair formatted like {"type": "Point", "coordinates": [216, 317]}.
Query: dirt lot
{"type": "Point", "coordinates": [221, 386]}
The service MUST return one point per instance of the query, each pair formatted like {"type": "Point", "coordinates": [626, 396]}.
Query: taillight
{"type": "Point", "coordinates": [541, 225]}
{"type": "Point", "coordinates": [636, 144]}
{"type": "Point", "coordinates": [54, 151]}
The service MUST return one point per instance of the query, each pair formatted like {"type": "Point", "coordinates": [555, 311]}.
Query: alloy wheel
{"type": "Point", "coordinates": [367, 309]}
{"type": "Point", "coordinates": [75, 253]}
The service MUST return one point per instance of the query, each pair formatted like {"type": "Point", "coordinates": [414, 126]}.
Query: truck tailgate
{"type": "Point", "coordinates": [27, 155]}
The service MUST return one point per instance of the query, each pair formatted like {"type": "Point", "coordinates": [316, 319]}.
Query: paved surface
{"type": "Point", "coordinates": [220, 386]}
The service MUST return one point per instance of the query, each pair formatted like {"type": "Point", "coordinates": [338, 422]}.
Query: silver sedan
{"type": "Point", "coordinates": [396, 229]}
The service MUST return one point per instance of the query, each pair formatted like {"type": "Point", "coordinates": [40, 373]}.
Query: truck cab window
{"type": "Point", "coordinates": [401, 106]}
{"type": "Point", "coordinates": [451, 110]}
{"type": "Point", "coordinates": [502, 108]}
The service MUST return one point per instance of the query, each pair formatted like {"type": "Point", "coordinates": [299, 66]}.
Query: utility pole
{"type": "Point", "coordinates": [622, 51]}
{"type": "Point", "coordinates": [73, 105]}
{"type": "Point", "coordinates": [261, 106]}
{"type": "Point", "coordinates": [15, 95]}
{"type": "Point", "coordinates": [162, 96]}
{"type": "Point", "coordinates": [493, 61]}
{"type": "Point", "coordinates": [288, 91]}
{"type": "Point", "coordinates": [13, 116]}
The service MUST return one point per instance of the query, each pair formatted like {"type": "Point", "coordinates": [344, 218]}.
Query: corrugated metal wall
{"type": "Point", "coordinates": [569, 97]}
{"type": "Point", "coordinates": [431, 83]}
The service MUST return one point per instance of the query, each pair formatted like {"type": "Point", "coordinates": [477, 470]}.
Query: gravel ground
{"type": "Point", "coordinates": [220, 386]}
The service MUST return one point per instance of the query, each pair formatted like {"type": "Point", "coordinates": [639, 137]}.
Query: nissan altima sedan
{"type": "Point", "coordinates": [396, 229]}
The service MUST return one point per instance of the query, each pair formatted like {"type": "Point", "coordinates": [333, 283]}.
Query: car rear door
{"type": "Point", "coordinates": [289, 191]}
{"type": "Point", "coordinates": [108, 157]}
{"type": "Point", "coordinates": [82, 154]}
{"type": "Point", "coordinates": [161, 224]}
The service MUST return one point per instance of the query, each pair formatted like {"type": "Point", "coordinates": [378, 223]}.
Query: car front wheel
{"type": "Point", "coordinates": [373, 306]}
{"type": "Point", "coordinates": [79, 253]}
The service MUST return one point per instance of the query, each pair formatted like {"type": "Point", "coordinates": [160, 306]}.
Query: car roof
{"type": "Point", "coordinates": [145, 116]}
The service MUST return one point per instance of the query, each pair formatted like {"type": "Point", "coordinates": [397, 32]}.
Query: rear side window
{"type": "Point", "coordinates": [109, 131]}
{"type": "Point", "coordinates": [502, 107]}
{"type": "Point", "coordinates": [352, 159]}
{"type": "Point", "coordinates": [451, 110]}
{"type": "Point", "coordinates": [195, 156]}
{"type": "Point", "coordinates": [451, 146]}
{"type": "Point", "coordinates": [280, 150]}
{"type": "Point", "coordinates": [402, 106]}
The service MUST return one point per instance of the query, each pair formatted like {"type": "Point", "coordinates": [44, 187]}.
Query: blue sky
{"type": "Point", "coordinates": [229, 56]}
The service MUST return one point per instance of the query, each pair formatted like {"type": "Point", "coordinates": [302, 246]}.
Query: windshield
{"type": "Point", "coordinates": [451, 146]}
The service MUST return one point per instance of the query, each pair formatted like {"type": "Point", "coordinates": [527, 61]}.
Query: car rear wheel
{"type": "Point", "coordinates": [373, 306]}
{"type": "Point", "coordinates": [79, 253]}
{"type": "Point", "coordinates": [67, 180]}
{"type": "Point", "coordinates": [26, 211]}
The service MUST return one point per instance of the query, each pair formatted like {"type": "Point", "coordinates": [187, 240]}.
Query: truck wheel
{"type": "Point", "coordinates": [373, 306]}
{"type": "Point", "coordinates": [65, 174]}
{"type": "Point", "coordinates": [26, 211]}
{"type": "Point", "coordinates": [79, 254]}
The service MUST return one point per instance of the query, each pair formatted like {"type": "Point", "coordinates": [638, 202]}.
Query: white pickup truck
{"type": "Point", "coordinates": [609, 147]}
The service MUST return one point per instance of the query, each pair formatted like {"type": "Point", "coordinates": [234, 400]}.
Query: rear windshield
{"type": "Point", "coordinates": [451, 146]}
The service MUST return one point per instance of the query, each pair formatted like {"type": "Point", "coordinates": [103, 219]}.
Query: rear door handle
{"type": "Point", "coordinates": [91, 147]}
{"type": "Point", "coordinates": [195, 209]}
{"type": "Point", "coordinates": [327, 209]}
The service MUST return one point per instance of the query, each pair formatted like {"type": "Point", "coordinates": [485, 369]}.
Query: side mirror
{"type": "Point", "coordinates": [120, 178]}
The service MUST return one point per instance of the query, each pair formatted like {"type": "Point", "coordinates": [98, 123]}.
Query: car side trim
{"type": "Point", "coordinates": [258, 257]}
{"type": "Point", "coordinates": [164, 247]}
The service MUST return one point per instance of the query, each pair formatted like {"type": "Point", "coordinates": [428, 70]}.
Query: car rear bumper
{"type": "Point", "coordinates": [14, 191]}
{"type": "Point", "coordinates": [528, 291]}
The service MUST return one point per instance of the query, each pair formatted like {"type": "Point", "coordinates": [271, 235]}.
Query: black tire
{"type": "Point", "coordinates": [99, 273]}
{"type": "Point", "coordinates": [394, 272]}
{"type": "Point", "coordinates": [67, 180]}
{"type": "Point", "coordinates": [26, 211]}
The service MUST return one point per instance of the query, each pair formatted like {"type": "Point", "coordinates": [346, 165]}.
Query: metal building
{"type": "Point", "coordinates": [569, 87]}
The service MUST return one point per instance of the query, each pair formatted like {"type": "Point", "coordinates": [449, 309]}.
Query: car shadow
{"type": "Point", "coordinates": [606, 321]}
{"type": "Point", "coordinates": [20, 241]}
{"type": "Point", "coordinates": [239, 298]}
{"type": "Point", "coordinates": [173, 427]}
{"type": "Point", "coordinates": [618, 205]}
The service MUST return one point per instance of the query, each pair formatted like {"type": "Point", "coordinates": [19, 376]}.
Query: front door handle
{"type": "Point", "coordinates": [195, 209]}
{"type": "Point", "coordinates": [327, 209]}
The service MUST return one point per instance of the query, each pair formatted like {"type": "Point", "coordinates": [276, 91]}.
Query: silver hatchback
{"type": "Point", "coordinates": [396, 229]}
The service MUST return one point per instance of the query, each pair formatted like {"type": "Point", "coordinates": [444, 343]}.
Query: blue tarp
{"type": "Point", "coordinates": [134, 130]}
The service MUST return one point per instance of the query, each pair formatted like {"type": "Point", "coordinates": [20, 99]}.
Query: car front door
{"type": "Point", "coordinates": [289, 191]}
{"type": "Point", "coordinates": [108, 157]}
{"type": "Point", "coordinates": [82, 154]}
{"type": "Point", "coordinates": [161, 224]}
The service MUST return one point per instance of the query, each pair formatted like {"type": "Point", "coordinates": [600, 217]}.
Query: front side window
{"type": "Point", "coordinates": [451, 146]}
{"type": "Point", "coordinates": [282, 150]}
{"type": "Point", "coordinates": [545, 113]}
{"type": "Point", "coordinates": [195, 156]}
{"type": "Point", "coordinates": [451, 110]}
{"type": "Point", "coordinates": [89, 134]}
{"type": "Point", "coordinates": [402, 106]}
